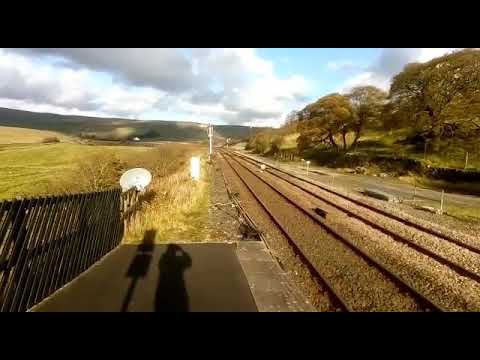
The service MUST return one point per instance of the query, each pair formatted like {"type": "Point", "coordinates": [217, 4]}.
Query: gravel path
{"type": "Point", "coordinates": [362, 286]}
{"type": "Point", "coordinates": [444, 286]}
{"type": "Point", "coordinates": [224, 223]}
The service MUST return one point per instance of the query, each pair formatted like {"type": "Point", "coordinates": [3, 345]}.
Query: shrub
{"type": "Point", "coordinates": [50, 140]}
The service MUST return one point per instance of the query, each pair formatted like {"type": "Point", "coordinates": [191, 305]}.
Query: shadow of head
{"type": "Point", "coordinates": [141, 262]}
{"type": "Point", "coordinates": [174, 262]}
{"type": "Point", "coordinates": [148, 241]}
{"type": "Point", "coordinates": [171, 294]}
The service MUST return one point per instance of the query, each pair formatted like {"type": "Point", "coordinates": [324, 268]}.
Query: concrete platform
{"type": "Point", "coordinates": [147, 277]}
{"type": "Point", "coordinates": [270, 286]}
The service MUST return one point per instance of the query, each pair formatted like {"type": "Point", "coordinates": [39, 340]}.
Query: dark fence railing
{"type": "Point", "coordinates": [46, 242]}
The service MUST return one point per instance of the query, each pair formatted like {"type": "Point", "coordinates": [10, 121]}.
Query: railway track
{"type": "Point", "coordinates": [424, 240]}
{"type": "Point", "coordinates": [407, 222]}
{"type": "Point", "coordinates": [460, 270]}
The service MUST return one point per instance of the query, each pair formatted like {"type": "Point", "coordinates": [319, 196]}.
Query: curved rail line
{"type": "Point", "coordinates": [407, 222]}
{"type": "Point", "coordinates": [401, 238]}
{"type": "Point", "coordinates": [335, 298]}
{"type": "Point", "coordinates": [413, 291]}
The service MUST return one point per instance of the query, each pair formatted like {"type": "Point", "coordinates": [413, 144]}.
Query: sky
{"type": "Point", "coordinates": [254, 87]}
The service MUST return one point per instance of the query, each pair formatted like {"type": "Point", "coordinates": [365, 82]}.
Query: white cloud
{"type": "Point", "coordinates": [230, 85]}
{"type": "Point", "coordinates": [46, 108]}
{"type": "Point", "coordinates": [427, 54]}
{"type": "Point", "coordinates": [234, 86]}
{"type": "Point", "coordinates": [390, 62]}
{"type": "Point", "coordinates": [22, 79]}
{"type": "Point", "coordinates": [366, 78]}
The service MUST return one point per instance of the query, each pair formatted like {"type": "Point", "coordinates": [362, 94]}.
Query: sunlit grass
{"type": "Point", "coordinates": [17, 135]}
{"type": "Point", "coordinates": [178, 210]}
{"type": "Point", "coordinates": [31, 170]}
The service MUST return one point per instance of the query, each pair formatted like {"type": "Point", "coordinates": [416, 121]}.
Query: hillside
{"type": "Point", "coordinates": [117, 128]}
{"type": "Point", "coordinates": [17, 135]}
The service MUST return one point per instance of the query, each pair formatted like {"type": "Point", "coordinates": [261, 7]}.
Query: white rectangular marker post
{"type": "Point", "coordinates": [195, 168]}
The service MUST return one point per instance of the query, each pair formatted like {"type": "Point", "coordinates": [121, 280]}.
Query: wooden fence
{"type": "Point", "coordinates": [46, 242]}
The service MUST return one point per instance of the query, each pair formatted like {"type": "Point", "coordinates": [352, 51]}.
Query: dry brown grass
{"type": "Point", "coordinates": [177, 209]}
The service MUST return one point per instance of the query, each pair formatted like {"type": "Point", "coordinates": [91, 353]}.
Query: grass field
{"type": "Point", "coordinates": [178, 210]}
{"type": "Point", "coordinates": [14, 135]}
{"type": "Point", "coordinates": [176, 207]}
{"type": "Point", "coordinates": [383, 143]}
{"type": "Point", "coordinates": [30, 170]}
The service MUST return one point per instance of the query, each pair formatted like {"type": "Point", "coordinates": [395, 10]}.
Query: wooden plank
{"type": "Point", "coordinates": [94, 235]}
{"type": "Point", "coordinates": [7, 256]}
{"type": "Point", "coordinates": [90, 232]}
{"type": "Point", "coordinates": [75, 236]}
{"type": "Point", "coordinates": [11, 224]}
{"type": "Point", "coordinates": [102, 226]}
{"type": "Point", "coordinates": [35, 262]}
{"type": "Point", "coordinates": [27, 254]}
{"type": "Point", "coordinates": [45, 242]}
{"type": "Point", "coordinates": [7, 209]}
{"type": "Point", "coordinates": [119, 223]}
{"type": "Point", "coordinates": [83, 228]}
{"type": "Point", "coordinates": [17, 258]}
{"type": "Point", "coordinates": [107, 229]}
{"type": "Point", "coordinates": [53, 219]}
{"type": "Point", "coordinates": [52, 262]}
{"type": "Point", "coordinates": [68, 243]}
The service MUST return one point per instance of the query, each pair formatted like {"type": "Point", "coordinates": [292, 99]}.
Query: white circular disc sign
{"type": "Point", "coordinates": [135, 178]}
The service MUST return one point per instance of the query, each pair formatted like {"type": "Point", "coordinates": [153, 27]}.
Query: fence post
{"type": "Point", "coordinates": [414, 190]}
{"type": "Point", "coordinates": [441, 202]}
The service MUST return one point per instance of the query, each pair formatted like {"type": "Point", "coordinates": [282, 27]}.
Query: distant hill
{"type": "Point", "coordinates": [117, 128]}
{"type": "Point", "coordinates": [17, 135]}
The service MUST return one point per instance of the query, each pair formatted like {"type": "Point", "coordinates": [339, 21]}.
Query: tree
{"type": "Point", "coordinates": [291, 118]}
{"type": "Point", "coordinates": [325, 119]}
{"type": "Point", "coordinates": [367, 103]}
{"type": "Point", "coordinates": [441, 98]}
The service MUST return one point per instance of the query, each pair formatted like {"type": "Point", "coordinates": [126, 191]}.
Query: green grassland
{"type": "Point", "coordinates": [372, 143]}
{"type": "Point", "coordinates": [389, 144]}
{"type": "Point", "coordinates": [175, 207]}
{"type": "Point", "coordinates": [39, 169]}
{"type": "Point", "coordinates": [17, 135]}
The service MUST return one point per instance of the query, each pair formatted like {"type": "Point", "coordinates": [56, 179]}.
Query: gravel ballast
{"type": "Point", "coordinates": [438, 282]}
{"type": "Point", "coordinates": [278, 244]}
{"type": "Point", "coordinates": [362, 286]}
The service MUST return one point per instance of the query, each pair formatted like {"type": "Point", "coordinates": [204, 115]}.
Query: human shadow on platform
{"type": "Point", "coordinates": [139, 266]}
{"type": "Point", "coordinates": [171, 294]}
